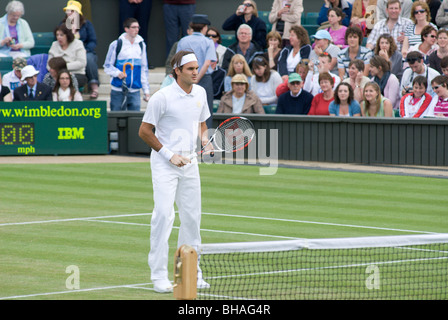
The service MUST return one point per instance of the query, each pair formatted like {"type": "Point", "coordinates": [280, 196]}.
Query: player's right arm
{"type": "Point", "coordinates": [146, 133]}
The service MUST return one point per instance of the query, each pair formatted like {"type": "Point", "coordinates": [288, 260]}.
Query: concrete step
{"type": "Point", "coordinates": [155, 78]}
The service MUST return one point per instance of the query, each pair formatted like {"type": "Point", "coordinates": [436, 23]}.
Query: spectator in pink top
{"type": "Point", "coordinates": [440, 87]}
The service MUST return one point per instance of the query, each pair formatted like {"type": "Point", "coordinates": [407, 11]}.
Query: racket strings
{"type": "Point", "coordinates": [235, 134]}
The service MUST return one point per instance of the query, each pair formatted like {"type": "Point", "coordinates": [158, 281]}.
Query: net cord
{"type": "Point", "coordinates": [330, 243]}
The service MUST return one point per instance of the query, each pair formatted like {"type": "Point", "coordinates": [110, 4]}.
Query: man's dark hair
{"type": "Point", "coordinates": [128, 22]}
{"type": "Point", "coordinates": [177, 59]}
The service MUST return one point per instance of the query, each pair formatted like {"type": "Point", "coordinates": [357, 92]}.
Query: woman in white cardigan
{"type": "Point", "coordinates": [284, 14]}
{"type": "Point", "coordinates": [73, 52]}
{"type": "Point", "coordinates": [265, 81]}
{"type": "Point", "coordinates": [16, 38]}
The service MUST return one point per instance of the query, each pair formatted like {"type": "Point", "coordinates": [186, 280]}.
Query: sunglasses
{"type": "Point", "coordinates": [436, 87]}
{"type": "Point", "coordinates": [419, 11]}
{"type": "Point", "coordinates": [432, 36]}
{"type": "Point", "coordinates": [212, 35]}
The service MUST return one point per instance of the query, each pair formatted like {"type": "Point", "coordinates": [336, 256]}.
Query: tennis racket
{"type": "Point", "coordinates": [232, 135]}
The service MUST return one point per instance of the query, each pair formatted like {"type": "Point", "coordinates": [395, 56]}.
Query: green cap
{"type": "Point", "coordinates": [294, 77]}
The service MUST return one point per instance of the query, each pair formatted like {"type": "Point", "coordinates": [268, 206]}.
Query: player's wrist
{"type": "Point", "coordinates": [166, 153]}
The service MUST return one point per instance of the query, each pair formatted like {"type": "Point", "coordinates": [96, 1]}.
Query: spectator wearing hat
{"type": "Point", "coordinates": [323, 44]}
{"type": "Point", "coordinates": [12, 79]}
{"type": "Point", "coordinates": [204, 49]}
{"type": "Point", "coordinates": [240, 99]}
{"type": "Point", "coordinates": [296, 100]}
{"type": "Point", "coordinates": [83, 30]}
{"type": "Point", "coordinates": [32, 90]}
{"type": "Point", "coordinates": [16, 37]}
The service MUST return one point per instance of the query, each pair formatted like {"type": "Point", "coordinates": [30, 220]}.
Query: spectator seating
{"type": "Point", "coordinates": [309, 22]}
{"type": "Point", "coordinates": [311, 17]}
{"type": "Point", "coordinates": [264, 15]}
{"type": "Point", "coordinates": [5, 65]}
{"type": "Point", "coordinates": [42, 42]}
{"type": "Point", "coordinates": [270, 109]}
{"type": "Point", "coordinates": [228, 39]}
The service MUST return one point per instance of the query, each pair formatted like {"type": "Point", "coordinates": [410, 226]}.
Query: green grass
{"type": "Point", "coordinates": [96, 216]}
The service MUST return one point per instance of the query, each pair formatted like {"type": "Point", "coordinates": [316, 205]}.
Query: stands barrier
{"type": "Point", "coordinates": [326, 139]}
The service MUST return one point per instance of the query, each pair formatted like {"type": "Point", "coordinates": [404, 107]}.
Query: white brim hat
{"type": "Point", "coordinates": [28, 72]}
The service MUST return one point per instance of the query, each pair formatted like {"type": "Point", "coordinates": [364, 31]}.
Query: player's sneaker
{"type": "Point", "coordinates": [201, 284]}
{"type": "Point", "coordinates": [163, 286]}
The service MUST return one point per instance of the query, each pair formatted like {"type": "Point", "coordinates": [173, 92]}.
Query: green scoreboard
{"type": "Point", "coordinates": [51, 128]}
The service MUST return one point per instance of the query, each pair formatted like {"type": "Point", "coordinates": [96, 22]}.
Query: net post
{"type": "Point", "coordinates": [185, 273]}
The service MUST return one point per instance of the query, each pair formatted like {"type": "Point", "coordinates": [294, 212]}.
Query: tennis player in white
{"type": "Point", "coordinates": [178, 113]}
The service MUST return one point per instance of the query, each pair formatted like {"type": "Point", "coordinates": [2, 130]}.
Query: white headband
{"type": "Point", "coordinates": [186, 59]}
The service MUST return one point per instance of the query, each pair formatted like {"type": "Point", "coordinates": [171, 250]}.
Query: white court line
{"type": "Point", "coordinates": [131, 286]}
{"type": "Point", "coordinates": [202, 230]}
{"type": "Point", "coordinates": [223, 215]}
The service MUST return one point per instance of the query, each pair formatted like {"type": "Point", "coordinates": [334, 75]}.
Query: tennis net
{"type": "Point", "coordinates": [393, 267]}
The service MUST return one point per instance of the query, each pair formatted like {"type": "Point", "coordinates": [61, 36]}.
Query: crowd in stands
{"type": "Point", "coordinates": [369, 58]}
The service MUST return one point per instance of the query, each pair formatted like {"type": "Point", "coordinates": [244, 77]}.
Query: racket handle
{"type": "Point", "coordinates": [192, 156]}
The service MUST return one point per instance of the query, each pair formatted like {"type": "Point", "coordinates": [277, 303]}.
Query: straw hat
{"type": "Point", "coordinates": [74, 6]}
{"type": "Point", "coordinates": [239, 78]}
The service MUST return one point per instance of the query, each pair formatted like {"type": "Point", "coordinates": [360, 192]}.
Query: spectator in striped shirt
{"type": "Point", "coordinates": [440, 87]}
{"type": "Point", "coordinates": [395, 25]}
{"type": "Point", "coordinates": [353, 37]}
{"type": "Point", "coordinates": [421, 17]}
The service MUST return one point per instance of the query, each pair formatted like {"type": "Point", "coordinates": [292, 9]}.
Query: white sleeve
{"type": "Point", "coordinates": [155, 109]}
{"type": "Point", "coordinates": [205, 113]}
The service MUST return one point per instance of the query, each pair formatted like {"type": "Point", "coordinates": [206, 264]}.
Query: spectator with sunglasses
{"type": "Point", "coordinates": [440, 86]}
{"type": "Point", "coordinates": [421, 17]}
{"type": "Point", "coordinates": [215, 36]}
{"type": "Point", "coordinates": [436, 57]}
{"type": "Point", "coordinates": [247, 13]}
{"type": "Point", "coordinates": [416, 68]}
{"type": "Point", "coordinates": [428, 44]}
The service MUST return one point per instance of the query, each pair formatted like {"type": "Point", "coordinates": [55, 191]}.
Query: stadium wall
{"type": "Point", "coordinates": [393, 141]}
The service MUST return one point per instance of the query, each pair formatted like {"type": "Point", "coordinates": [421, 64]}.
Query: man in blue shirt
{"type": "Point", "coordinates": [295, 101]}
{"type": "Point", "coordinates": [204, 49]}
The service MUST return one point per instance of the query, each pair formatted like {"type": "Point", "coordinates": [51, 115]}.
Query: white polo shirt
{"type": "Point", "coordinates": [176, 116]}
